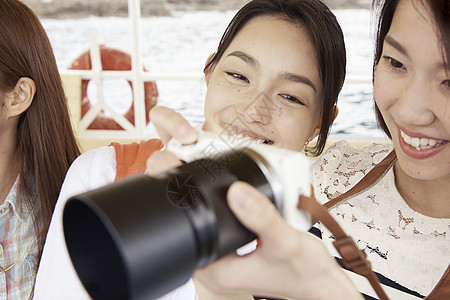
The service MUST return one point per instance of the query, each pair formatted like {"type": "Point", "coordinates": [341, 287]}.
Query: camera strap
{"type": "Point", "coordinates": [371, 178]}
{"type": "Point", "coordinates": [352, 257]}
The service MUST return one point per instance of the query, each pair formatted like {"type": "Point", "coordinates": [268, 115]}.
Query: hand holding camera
{"type": "Point", "coordinates": [157, 231]}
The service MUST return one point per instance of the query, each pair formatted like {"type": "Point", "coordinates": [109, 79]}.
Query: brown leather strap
{"type": "Point", "coordinates": [352, 256]}
{"type": "Point", "coordinates": [372, 177]}
{"type": "Point", "coordinates": [442, 289]}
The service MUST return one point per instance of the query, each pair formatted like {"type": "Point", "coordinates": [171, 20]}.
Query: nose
{"type": "Point", "coordinates": [259, 108]}
{"type": "Point", "coordinates": [415, 103]}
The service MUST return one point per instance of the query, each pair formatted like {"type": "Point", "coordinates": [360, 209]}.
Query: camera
{"type": "Point", "coordinates": [143, 236]}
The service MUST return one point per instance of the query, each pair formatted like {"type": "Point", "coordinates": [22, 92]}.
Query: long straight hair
{"type": "Point", "coordinates": [45, 144]}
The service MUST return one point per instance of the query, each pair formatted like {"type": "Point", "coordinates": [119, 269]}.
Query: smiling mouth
{"type": "Point", "coordinates": [421, 143]}
{"type": "Point", "coordinates": [247, 134]}
{"type": "Point", "coordinates": [267, 142]}
{"type": "Point", "coordinates": [254, 139]}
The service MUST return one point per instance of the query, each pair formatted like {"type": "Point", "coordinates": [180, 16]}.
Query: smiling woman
{"type": "Point", "coordinates": [392, 199]}
{"type": "Point", "coordinates": [412, 92]}
{"type": "Point", "coordinates": [261, 86]}
{"type": "Point", "coordinates": [308, 75]}
{"type": "Point", "coordinates": [402, 219]}
{"type": "Point", "coordinates": [275, 77]}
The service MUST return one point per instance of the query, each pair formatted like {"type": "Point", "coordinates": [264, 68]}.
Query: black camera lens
{"type": "Point", "coordinates": [142, 237]}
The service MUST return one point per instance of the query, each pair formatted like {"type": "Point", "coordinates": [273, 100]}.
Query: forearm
{"type": "Point", "coordinates": [336, 285]}
{"type": "Point", "coordinates": [204, 293]}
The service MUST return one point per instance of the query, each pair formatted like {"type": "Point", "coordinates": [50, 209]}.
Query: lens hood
{"type": "Point", "coordinates": [142, 236]}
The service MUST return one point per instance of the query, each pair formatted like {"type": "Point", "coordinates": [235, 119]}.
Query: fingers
{"type": "Point", "coordinates": [170, 124]}
{"type": "Point", "coordinates": [256, 212]}
{"type": "Point", "coordinates": [161, 161]}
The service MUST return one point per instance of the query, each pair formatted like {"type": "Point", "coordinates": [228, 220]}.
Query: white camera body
{"type": "Point", "coordinates": [288, 171]}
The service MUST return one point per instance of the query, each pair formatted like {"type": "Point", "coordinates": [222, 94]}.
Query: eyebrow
{"type": "Point", "coordinates": [248, 59]}
{"type": "Point", "coordinates": [298, 78]}
{"type": "Point", "coordinates": [391, 41]}
{"type": "Point", "coordinates": [286, 75]}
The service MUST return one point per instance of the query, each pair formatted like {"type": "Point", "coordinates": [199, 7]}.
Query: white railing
{"type": "Point", "coordinates": [137, 76]}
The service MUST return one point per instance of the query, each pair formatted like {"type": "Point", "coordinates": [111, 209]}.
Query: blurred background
{"type": "Point", "coordinates": [83, 8]}
{"type": "Point", "coordinates": [176, 36]}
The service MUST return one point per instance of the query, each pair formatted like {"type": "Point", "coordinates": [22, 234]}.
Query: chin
{"type": "Point", "coordinates": [423, 169]}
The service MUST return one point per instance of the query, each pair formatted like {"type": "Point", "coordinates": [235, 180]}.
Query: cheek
{"type": "Point", "coordinates": [209, 107]}
{"type": "Point", "coordinates": [294, 131]}
{"type": "Point", "coordinates": [382, 91]}
{"type": "Point", "coordinates": [216, 100]}
{"type": "Point", "coordinates": [446, 118]}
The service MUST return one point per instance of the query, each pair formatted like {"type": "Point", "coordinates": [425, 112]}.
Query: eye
{"type": "Point", "coordinates": [394, 63]}
{"type": "Point", "coordinates": [237, 76]}
{"type": "Point", "coordinates": [446, 83]}
{"type": "Point", "coordinates": [292, 99]}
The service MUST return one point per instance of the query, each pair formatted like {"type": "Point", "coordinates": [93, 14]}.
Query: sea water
{"type": "Point", "coordinates": [182, 42]}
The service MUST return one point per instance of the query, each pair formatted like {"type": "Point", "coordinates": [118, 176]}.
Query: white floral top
{"type": "Point", "coordinates": [408, 249]}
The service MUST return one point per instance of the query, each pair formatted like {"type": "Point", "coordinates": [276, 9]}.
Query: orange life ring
{"type": "Point", "coordinates": [112, 59]}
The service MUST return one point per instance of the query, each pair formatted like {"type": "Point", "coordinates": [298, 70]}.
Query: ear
{"type": "Point", "coordinates": [208, 71]}
{"type": "Point", "coordinates": [20, 98]}
{"type": "Point", "coordinates": [316, 129]}
{"type": "Point", "coordinates": [336, 113]}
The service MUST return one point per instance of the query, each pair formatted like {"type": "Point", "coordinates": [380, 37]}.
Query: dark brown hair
{"type": "Point", "coordinates": [46, 144]}
{"type": "Point", "coordinates": [325, 34]}
{"type": "Point", "coordinates": [440, 10]}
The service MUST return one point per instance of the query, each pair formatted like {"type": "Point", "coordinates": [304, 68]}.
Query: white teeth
{"type": "Point", "coordinates": [415, 142]}
{"type": "Point", "coordinates": [424, 141]}
{"type": "Point", "coordinates": [420, 143]}
{"type": "Point", "coordinates": [407, 138]}
{"type": "Point", "coordinates": [250, 139]}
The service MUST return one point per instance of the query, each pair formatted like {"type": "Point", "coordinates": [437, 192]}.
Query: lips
{"type": "Point", "coordinates": [421, 143]}
{"type": "Point", "coordinates": [420, 147]}
{"type": "Point", "coordinates": [245, 133]}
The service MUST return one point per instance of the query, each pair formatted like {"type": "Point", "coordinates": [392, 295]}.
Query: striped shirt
{"type": "Point", "coordinates": [18, 249]}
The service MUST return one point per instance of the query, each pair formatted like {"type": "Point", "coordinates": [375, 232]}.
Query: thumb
{"type": "Point", "coordinates": [255, 211]}
{"type": "Point", "coordinates": [161, 161]}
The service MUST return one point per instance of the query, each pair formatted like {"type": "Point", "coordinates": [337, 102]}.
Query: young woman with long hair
{"type": "Point", "coordinates": [37, 144]}
{"type": "Point", "coordinates": [287, 56]}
